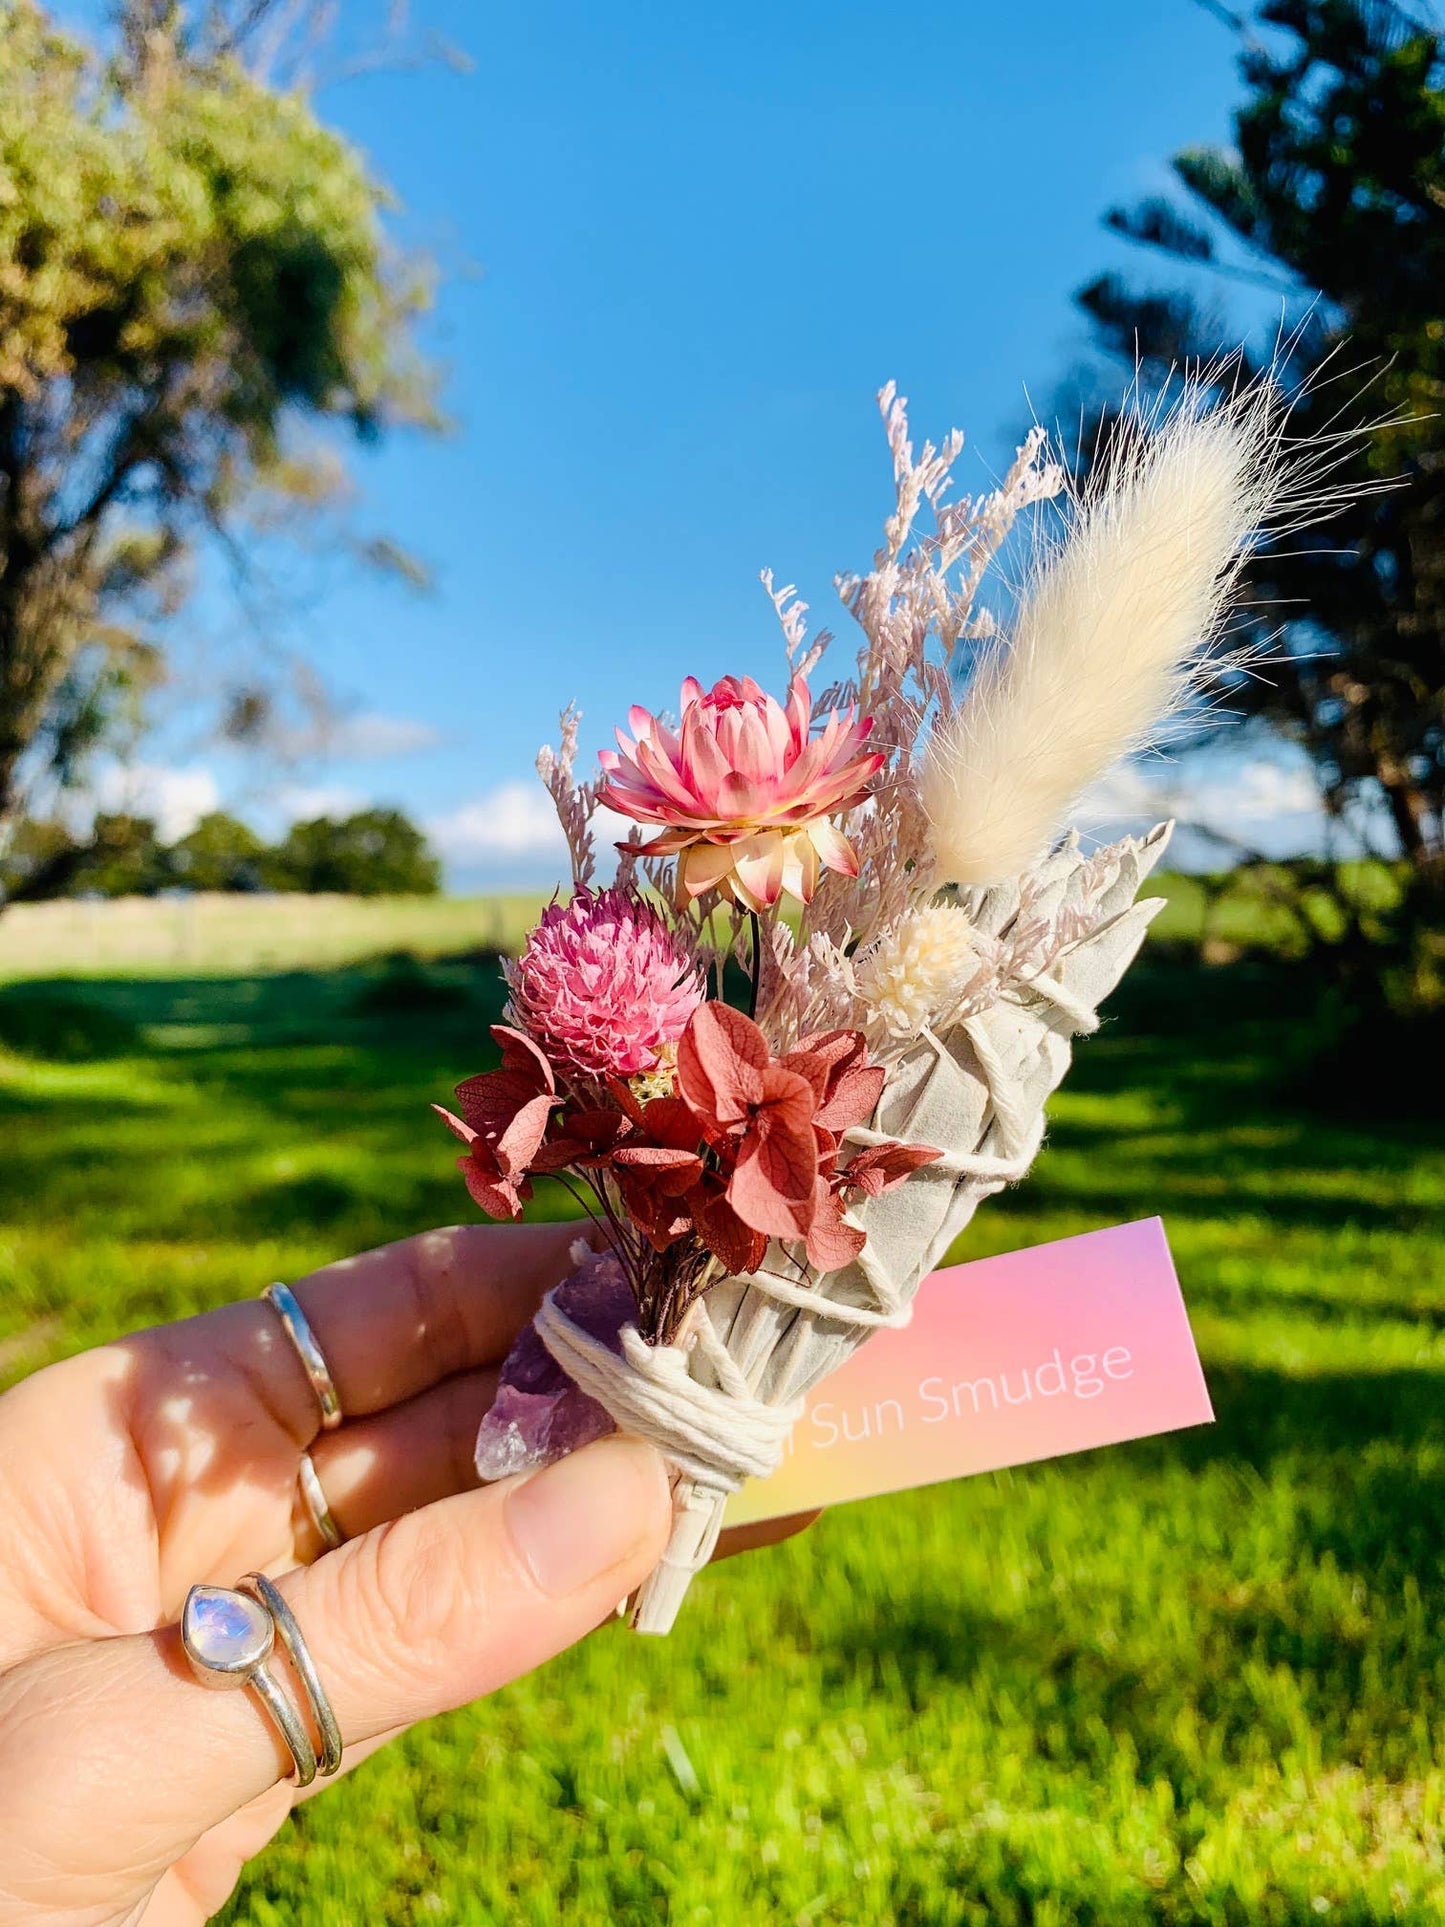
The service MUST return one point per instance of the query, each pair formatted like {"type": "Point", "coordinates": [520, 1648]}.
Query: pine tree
{"type": "Point", "coordinates": [1334, 194]}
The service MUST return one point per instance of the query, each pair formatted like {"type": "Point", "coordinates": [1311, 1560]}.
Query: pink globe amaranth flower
{"type": "Point", "coordinates": [744, 789]}
{"type": "Point", "coordinates": [604, 985]}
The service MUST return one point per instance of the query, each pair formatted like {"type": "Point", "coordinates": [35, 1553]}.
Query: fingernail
{"type": "Point", "coordinates": [582, 1517]}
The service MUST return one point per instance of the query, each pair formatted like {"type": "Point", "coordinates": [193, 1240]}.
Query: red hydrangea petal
{"type": "Point", "coordinates": [455, 1125]}
{"type": "Point", "coordinates": [499, 1197]}
{"type": "Point", "coordinates": [522, 1057]}
{"type": "Point", "coordinates": [831, 1242]}
{"type": "Point", "coordinates": [720, 1062]}
{"type": "Point", "coordinates": [883, 1167]}
{"type": "Point", "coordinates": [853, 1099]}
{"type": "Point", "coordinates": [737, 1245]}
{"type": "Point", "coordinates": [492, 1099]}
{"type": "Point", "coordinates": [517, 1145]}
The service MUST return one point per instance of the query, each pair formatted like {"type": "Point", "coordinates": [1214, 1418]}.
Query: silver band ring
{"type": "Point", "coordinates": [299, 1653]}
{"type": "Point", "coordinates": [227, 1638]}
{"type": "Point", "coordinates": [313, 1500]}
{"type": "Point", "coordinates": [297, 1327]}
{"type": "Point", "coordinates": [303, 1754]}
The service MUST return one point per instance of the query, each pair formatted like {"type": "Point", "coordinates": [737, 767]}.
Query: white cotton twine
{"type": "Point", "coordinates": [716, 1436]}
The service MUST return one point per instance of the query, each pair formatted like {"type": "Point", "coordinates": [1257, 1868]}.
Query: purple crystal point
{"type": "Point", "coordinates": [538, 1414]}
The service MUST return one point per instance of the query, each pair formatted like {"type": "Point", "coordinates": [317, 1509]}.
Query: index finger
{"type": "Point", "coordinates": [390, 1322]}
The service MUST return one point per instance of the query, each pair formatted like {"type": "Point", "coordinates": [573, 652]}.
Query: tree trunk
{"type": "Point", "coordinates": [1411, 812]}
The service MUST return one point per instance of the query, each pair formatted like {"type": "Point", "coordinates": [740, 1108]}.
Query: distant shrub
{"type": "Point", "coordinates": [376, 853]}
{"type": "Point", "coordinates": [57, 1028]}
{"type": "Point", "coordinates": [221, 853]}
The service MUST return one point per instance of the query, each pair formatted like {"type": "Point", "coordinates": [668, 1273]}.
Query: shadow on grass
{"type": "Point", "coordinates": [341, 1065]}
{"type": "Point", "coordinates": [251, 1107]}
{"type": "Point", "coordinates": [51, 1024]}
{"type": "Point", "coordinates": [1243, 1300]}
{"type": "Point", "coordinates": [1340, 1625]}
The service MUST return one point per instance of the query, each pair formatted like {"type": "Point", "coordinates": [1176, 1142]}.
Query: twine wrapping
{"type": "Point", "coordinates": [717, 1436]}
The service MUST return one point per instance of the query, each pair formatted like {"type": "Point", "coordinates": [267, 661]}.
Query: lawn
{"type": "Point", "coordinates": [216, 934]}
{"type": "Point", "coordinates": [1194, 1680]}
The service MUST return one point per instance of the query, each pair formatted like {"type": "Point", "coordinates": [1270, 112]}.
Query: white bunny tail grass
{"type": "Point", "coordinates": [1115, 624]}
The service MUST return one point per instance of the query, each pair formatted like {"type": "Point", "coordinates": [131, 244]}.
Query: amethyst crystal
{"type": "Point", "coordinates": [538, 1414]}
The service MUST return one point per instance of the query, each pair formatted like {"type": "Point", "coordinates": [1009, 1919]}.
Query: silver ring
{"type": "Point", "coordinates": [297, 1326]}
{"type": "Point", "coordinates": [313, 1499]}
{"type": "Point", "coordinates": [259, 1587]}
{"type": "Point", "coordinates": [227, 1638]}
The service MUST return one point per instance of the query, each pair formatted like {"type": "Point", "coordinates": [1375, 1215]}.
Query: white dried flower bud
{"type": "Point", "coordinates": [916, 968]}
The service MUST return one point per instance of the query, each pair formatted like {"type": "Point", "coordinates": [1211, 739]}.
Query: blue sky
{"type": "Point", "coordinates": [681, 250]}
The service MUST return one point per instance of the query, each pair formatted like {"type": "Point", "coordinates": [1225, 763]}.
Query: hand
{"type": "Point", "coordinates": [129, 1793]}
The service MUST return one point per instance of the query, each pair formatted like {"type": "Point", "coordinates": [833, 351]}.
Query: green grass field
{"type": "Point", "coordinates": [213, 934]}
{"type": "Point", "coordinates": [1193, 1680]}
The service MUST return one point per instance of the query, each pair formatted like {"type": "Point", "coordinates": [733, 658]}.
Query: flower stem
{"type": "Point", "coordinates": [757, 963]}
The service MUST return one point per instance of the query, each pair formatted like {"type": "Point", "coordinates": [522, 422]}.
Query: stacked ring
{"type": "Point", "coordinates": [313, 1500]}
{"type": "Point", "coordinates": [229, 1635]}
{"type": "Point", "coordinates": [297, 1326]}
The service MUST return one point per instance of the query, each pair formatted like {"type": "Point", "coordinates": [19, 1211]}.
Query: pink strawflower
{"type": "Point", "coordinates": [604, 985]}
{"type": "Point", "coordinates": [744, 789]}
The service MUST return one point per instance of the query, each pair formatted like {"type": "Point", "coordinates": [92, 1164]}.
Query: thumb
{"type": "Point", "coordinates": [115, 1760]}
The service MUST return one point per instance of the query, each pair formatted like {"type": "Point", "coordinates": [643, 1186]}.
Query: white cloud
{"type": "Point", "coordinates": [1266, 801]}
{"type": "Point", "coordinates": [302, 802]}
{"type": "Point", "coordinates": [1230, 795]}
{"type": "Point", "coordinates": [175, 799]}
{"type": "Point", "coordinates": [511, 824]}
{"type": "Point", "coordinates": [516, 820]}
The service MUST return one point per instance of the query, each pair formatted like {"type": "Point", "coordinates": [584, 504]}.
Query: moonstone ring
{"type": "Point", "coordinates": [297, 1326]}
{"type": "Point", "coordinates": [229, 1635]}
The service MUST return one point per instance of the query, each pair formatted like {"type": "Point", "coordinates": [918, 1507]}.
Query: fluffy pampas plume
{"type": "Point", "coordinates": [1117, 620]}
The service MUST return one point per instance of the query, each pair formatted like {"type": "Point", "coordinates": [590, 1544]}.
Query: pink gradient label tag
{"type": "Point", "coordinates": [1068, 1345]}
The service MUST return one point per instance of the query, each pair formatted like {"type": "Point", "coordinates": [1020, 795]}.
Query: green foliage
{"type": "Point", "coordinates": [121, 857]}
{"type": "Point", "coordinates": [185, 223]}
{"type": "Point", "coordinates": [1194, 1682]}
{"type": "Point", "coordinates": [220, 853]}
{"type": "Point", "coordinates": [375, 853]}
{"type": "Point", "coordinates": [192, 267]}
{"type": "Point", "coordinates": [41, 859]}
{"type": "Point", "coordinates": [1334, 196]}
{"type": "Point", "coordinates": [372, 854]}
{"type": "Point", "coordinates": [124, 858]}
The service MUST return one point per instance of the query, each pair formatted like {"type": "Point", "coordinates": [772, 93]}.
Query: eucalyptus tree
{"type": "Point", "coordinates": [199, 305]}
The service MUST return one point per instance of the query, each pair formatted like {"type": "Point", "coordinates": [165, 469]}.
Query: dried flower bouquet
{"type": "Point", "coordinates": [772, 1183]}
